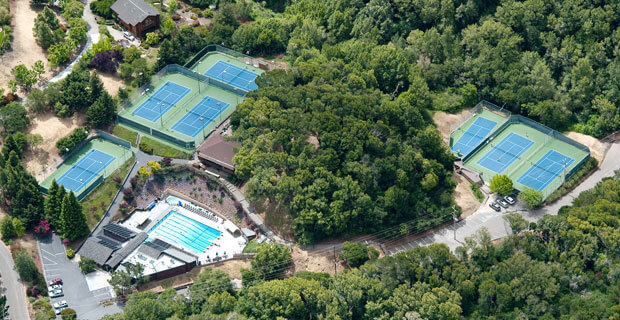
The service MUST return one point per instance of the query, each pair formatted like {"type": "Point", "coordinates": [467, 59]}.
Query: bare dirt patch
{"type": "Point", "coordinates": [597, 149]}
{"type": "Point", "coordinates": [233, 267]}
{"type": "Point", "coordinates": [24, 48]}
{"type": "Point", "coordinates": [446, 122]}
{"type": "Point", "coordinates": [464, 197]}
{"type": "Point", "coordinates": [40, 160]}
{"type": "Point", "coordinates": [315, 261]}
{"type": "Point", "coordinates": [313, 140]}
{"type": "Point", "coordinates": [29, 243]}
{"type": "Point", "coordinates": [111, 83]}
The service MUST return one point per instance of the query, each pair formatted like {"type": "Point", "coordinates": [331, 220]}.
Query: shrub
{"type": "Point", "coordinates": [70, 253]}
{"type": "Point", "coordinates": [87, 265]}
{"type": "Point", "coordinates": [475, 188]}
{"type": "Point", "coordinates": [67, 143]}
{"type": "Point", "coordinates": [356, 254]}
{"type": "Point", "coordinates": [42, 228]}
{"type": "Point", "coordinates": [208, 13]}
{"type": "Point", "coordinates": [501, 183]}
{"type": "Point", "coordinates": [62, 110]}
{"type": "Point", "coordinates": [117, 179]}
{"type": "Point", "coordinates": [106, 61]}
{"type": "Point", "coordinates": [146, 148]}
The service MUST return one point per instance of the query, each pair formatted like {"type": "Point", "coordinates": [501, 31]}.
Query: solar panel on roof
{"type": "Point", "coordinates": [119, 231]}
{"type": "Point", "coordinates": [107, 242]}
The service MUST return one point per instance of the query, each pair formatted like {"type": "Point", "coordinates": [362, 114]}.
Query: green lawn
{"type": "Point", "coordinates": [251, 247]}
{"type": "Point", "coordinates": [125, 134]}
{"type": "Point", "coordinates": [163, 150]}
{"type": "Point", "coordinates": [97, 202]}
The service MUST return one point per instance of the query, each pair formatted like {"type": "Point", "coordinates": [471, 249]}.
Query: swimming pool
{"type": "Point", "coordinates": [185, 231]}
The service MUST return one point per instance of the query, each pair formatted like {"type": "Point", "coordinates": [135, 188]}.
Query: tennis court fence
{"type": "Point", "coordinates": [477, 110]}
{"type": "Point", "coordinates": [265, 65]}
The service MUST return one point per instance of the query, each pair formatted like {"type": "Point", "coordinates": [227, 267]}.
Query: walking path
{"type": "Point", "coordinates": [485, 217]}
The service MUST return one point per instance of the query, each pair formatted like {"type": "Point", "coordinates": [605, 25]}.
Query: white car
{"type": "Point", "coordinates": [54, 287]}
{"type": "Point", "coordinates": [59, 310]}
{"type": "Point", "coordinates": [56, 293]}
{"type": "Point", "coordinates": [128, 36]}
{"type": "Point", "coordinates": [60, 304]}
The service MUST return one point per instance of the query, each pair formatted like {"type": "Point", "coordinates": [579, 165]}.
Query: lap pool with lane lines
{"type": "Point", "coordinates": [185, 231]}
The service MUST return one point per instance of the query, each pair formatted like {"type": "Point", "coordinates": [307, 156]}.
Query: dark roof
{"type": "Point", "coordinates": [181, 255]}
{"type": "Point", "coordinates": [121, 254]}
{"type": "Point", "coordinates": [110, 243]}
{"type": "Point", "coordinates": [119, 231]}
{"type": "Point", "coordinates": [217, 150]}
{"type": "Point", "coordinates": [149, 251]}
{"type": "Point", "coordinates": [95, 251]}
{"type": "Point", "coordinates": [133, 11]}
{"type": "Point", "coordinates": [249, 233]}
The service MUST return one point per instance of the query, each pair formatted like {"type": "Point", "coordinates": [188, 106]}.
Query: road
{"type": "Point", "coordinates": [11, 286]}
{"type": "Point", "coordinates": [494, 221]}
{"type": "Point", "coordinates": [78, 295]}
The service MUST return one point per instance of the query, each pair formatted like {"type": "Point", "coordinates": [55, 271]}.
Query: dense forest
{"type": "Point", "coordinates": [343, 139]}
{"type": "Point", "coordinates": [566, 267]}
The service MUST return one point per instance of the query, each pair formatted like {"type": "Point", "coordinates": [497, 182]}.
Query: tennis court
{"type": "Point", "coordinates": [549, 167]}
{"type": "Point", "coordinates": [200, 116]}
{"type": "Point", "coordinates": [479, 130]}
{"type": "Point", "coordinates": [233, 75]}
{"type": "Point", "coordinates": [505, 153]}
{"type": "Point", "coordinates": [85, 170]}
{"type": "Point", "coordinates": [163, 100]}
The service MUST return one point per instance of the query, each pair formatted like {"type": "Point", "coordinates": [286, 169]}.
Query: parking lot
{"type": "Point", "coordinates": [81, 295]}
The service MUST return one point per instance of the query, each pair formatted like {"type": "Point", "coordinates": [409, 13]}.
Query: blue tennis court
{"type": "Point", "coordinates": [85, 170]}
{"type": "Point", "coordinates": [549, 167]}
{"type": "Point", "coordinates": [233, 75]}
{"type": "Point", "coordinates": [505, 153]}
{"type": "Point", "coordinates": [474, 135]}
{"type": "Point", "coordinates": [200, 116]}
{"type": "Point", "coordinates": [161, 101]}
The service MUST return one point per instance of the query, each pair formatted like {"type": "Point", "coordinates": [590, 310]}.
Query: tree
{"type": "Point", "coordinates": [270, 261]}
{"type": "Point", "coordinates": [7, 228]}
{"type": "Point", "coordinates": [209, 282]}
{"type": "Point", "coordinates": [72, 9]}
{"type": "Point", "coordinates": [25, 266]}
{"type": "Point", "coordinates": [102, 8]}
{"type": "Point", "coordinates": [102, 111]}
{"type": "Point", "coordinates": [47, 29]}
{"type": "Point", "coordinates": [172, 6]}
{"type": "Point", "coordinates": [24, 77]}
{"type": "Point", "coordinates": [531, 197]}
{"type": "Point", "coordinates": [124, 280]}
{"type": "Point", "coordinates": [14, 117]}
{"type": "Point", "coordinates": [356, 254]}
{"type": "Point", "coordinates": [53, 204]}
{"type": "Point", "coordinates": [516, 222]}
{"type": "Point", "coordinates": [4, 307]}
{"type": "Point", "coordinates": [72, 220]}
{"type": "Point", "coordinates": [87, 265]}
{"type": "Point", "coordinates": [68, 314]}
{"type": "Point", "coordinates": [10, 145]}
{"type": "Point", "coordinates": [59, 53]}
{"type": "Point", "coordinates": [501, 184]}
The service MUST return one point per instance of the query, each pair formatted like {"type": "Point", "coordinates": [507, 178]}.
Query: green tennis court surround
{"type": "Point", "coordinates": [531, 154]}
{"type": "Point", "coordinates": [84, 169]}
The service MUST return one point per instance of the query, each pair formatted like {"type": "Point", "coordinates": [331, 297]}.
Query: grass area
{"type": "Point", "coordinates": [159, 149]}
{"type": "Point", "coordinates": [97, 202]}
{"type": "Point", "coordinates": [251, 247]}
{"type": "Point", "coordinates": [581, 174]}
{"type": "Point", "coordinates": [475, 188]}
{"type": "Point", "coordinates": [125, 134]}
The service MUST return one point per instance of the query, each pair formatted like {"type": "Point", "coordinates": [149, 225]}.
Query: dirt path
{"type": "Point", "coordinates": [464, 197]}
{"type": "Point", "coordinates": [446, 122]}
{"type": "Point", "coordinates": [24, 49]}
{"type": "Point", "coordinates": [40, 161]}
{"type": "Point", "coordinates": [596, 146]}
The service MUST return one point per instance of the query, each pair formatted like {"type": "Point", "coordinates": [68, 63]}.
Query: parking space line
{"type": "Point", "coordinates": [52, 254]}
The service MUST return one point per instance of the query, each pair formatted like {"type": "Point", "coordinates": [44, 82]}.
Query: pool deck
{"type": "Point", "coordinates": [225, 246]}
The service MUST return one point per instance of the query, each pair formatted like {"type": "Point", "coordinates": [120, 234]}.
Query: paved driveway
{"type": "Point", "coordinates": [77, 293]}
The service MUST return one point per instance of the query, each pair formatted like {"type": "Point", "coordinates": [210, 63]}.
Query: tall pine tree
{"type": "Point", "coordinates": [20, 192]}
{"type": "Point", "coordinates": [72, 219]}
{"type": "Point", "coordinates": [53, 205]}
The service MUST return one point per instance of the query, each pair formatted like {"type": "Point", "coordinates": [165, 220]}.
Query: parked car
{"type": "Point", "coordinates": [128, 36]}
{"type": "Point", "coordinates": [55, 281]}
{"type": "Point", "coordinates": [60, 304]}
{"type": "Point", "coordinates": [56, 293]}
{"type": "Point", "coordinates": [510, 199]}
{"type": "Point", "coordinates": [59, 310]}
{"type": "Point", "coordinates": [495, 206]}
{"type": "Point", "coordinates": [502, 202]}
{"type": "Point", "coordinates": [54, 287]}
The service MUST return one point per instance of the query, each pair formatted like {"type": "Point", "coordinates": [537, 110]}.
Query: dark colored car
{"type": "Point", "coordinates": [502, 202]}
{"type": "Point", "coordinates": [510, 199]}
{"type": "Point", "coordinates": [495, 206]}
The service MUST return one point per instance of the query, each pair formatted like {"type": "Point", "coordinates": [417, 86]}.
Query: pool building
{"type": "Point", "coordinates": [168, 238]}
